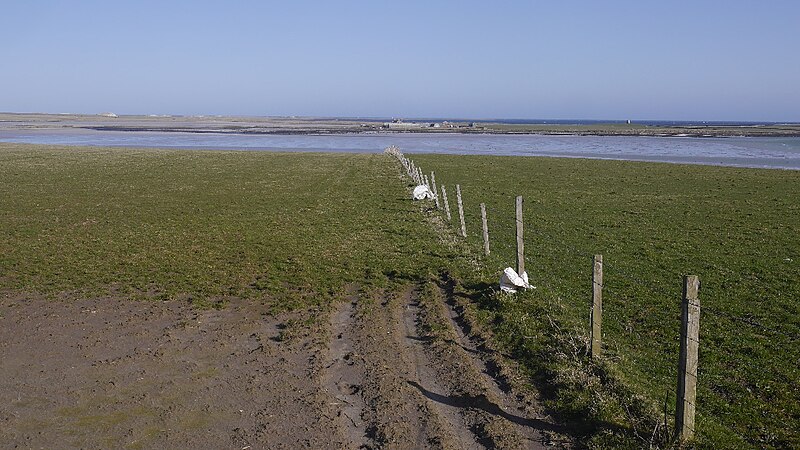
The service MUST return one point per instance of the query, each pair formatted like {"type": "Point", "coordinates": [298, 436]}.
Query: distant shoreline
{"type": "Point", "coordinates": [323, 126]}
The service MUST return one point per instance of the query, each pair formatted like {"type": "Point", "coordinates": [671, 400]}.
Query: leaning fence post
{"type": "Point", "coordinates": [485, 230]}
{"type": "Point", "coordinates": [461, 211]}
{"type": "Point", "coordinates": [687, 364]}
{"type": "Point", "coordinates": [446, 205]}
{"type": "Point", "coordinates": [435, 192]}
{"type": "Point", "coordinates": [520, 243]}
{"type": "Point", "coordinates": [597, 306]}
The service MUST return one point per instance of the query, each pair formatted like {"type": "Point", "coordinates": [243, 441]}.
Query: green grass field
{"type": "Point", "coordinates": [737, 229]}
{"type": "Point", "coordinates": [295, 229]}
{"type": "Point", "coordinates": [289, 228]}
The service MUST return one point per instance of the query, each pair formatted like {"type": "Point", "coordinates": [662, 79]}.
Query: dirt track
{"type": "Point", "coordinates": [388, 370]}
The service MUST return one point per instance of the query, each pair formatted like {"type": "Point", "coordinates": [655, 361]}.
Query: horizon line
{"type": "Point", "coordinates": [410, 118]}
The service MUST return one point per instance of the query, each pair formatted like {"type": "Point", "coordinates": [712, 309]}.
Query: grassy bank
{"type": "Point", "coordinates": [737, 229]}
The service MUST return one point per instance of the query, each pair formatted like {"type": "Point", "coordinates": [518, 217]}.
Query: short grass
{"type": "Point", "coordinates": [289, 228]}
{"type": "Point", "coordinates": [737, 229]}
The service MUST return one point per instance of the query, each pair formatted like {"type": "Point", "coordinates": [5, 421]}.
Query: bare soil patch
{"type": "Point", "coordinates": [112, 373]}
{"type": "Point", "coordinates": [389, 369]}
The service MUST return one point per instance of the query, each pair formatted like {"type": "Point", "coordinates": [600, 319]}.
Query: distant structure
{"type": "Point", "coordinates": [108, 114]}
{"type": "Point", "coordinates": [398, 124]}
{"type": "Point", "coordinates": [628, 121]}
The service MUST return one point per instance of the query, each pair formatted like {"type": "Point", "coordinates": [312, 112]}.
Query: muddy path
{"type": "Point", "coordinates": [408, 376]}
{"type": "Point", "coordinates": [380, 369]}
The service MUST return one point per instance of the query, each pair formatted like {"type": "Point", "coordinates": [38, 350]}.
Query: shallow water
{"type": "Point", "coordinates": [763, 152]}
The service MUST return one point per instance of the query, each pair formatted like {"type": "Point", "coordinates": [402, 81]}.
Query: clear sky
{"type": "Point", "coordinates": [681, 60]}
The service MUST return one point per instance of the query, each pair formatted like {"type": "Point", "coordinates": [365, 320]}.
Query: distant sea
{"type": "Point", "coordinates": [660, 123]}
{"type": "Point", "coordinates": [757, 152]}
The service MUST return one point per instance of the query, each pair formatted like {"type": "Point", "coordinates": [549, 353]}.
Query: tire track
{"type": "Point", "coordinates": [398, 417]}
{"type": "Point", "coordinates": [344, 376]}
{"type": "Point", "coordinates": [402, 373]}
{"type": "Point", "coordinates": [426, 379]}
{"type": "Point", "coordinates": [514, 403]}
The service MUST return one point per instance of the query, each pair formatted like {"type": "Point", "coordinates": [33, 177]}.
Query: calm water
{"type": "Point", "coordinates": [778, 153]}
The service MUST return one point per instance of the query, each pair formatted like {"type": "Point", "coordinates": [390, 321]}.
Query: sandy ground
{"type": "Point", "coordinates": [114, 373]}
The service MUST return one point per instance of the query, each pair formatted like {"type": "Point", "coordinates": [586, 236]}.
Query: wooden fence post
{"type": "Point", "coordinates": [687, 364]}
{"type": "Point", "coordinates": [446, 205]}
{"type": "Point", "coordinates": [461, 211]}
{"type": "Point", "coordinates": [597, 307]}
{"type": "Point", "coordinates": [427, 184]}
{"type": "Point", "coordinates": [520, 243]}
{"type": "Point", "coordinates": [485, 230]}
{"type": "Point", "coordinates": [435, 192]}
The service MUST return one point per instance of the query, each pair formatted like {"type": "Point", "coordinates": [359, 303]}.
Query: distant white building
{"type": "Point", "coordinates": [108, 114]}
{"type": "Point", "coordinates": [398, 124]}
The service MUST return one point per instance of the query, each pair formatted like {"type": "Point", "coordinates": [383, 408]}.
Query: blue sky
{"type": "Point", "coordinates": [681, 60]}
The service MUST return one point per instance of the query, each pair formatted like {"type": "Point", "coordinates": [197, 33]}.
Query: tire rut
{"type": "Point", "coordinates": [426, 380]}
{"type": "Point", "coordinates": [374, 366]}
{"type": "Point", "coordinates": [511, 407]}
{"type": "Point", "coordinates": [344, 376]}
{"type": "Point", "coordinates": [403, 374]}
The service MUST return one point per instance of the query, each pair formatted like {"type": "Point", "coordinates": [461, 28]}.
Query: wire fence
{"type": "Point", "coordinates": [641, 299]}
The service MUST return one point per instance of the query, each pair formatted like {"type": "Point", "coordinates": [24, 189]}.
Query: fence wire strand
{"type": "Point", "coordinates": [753, 323]}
